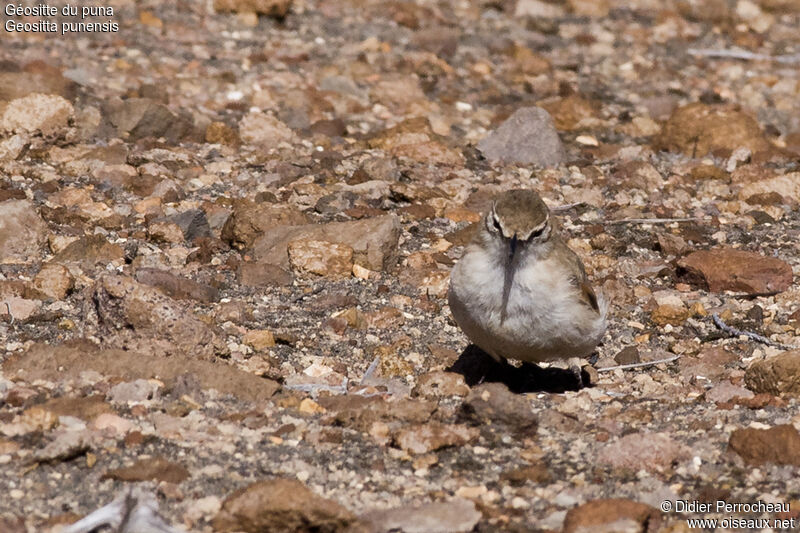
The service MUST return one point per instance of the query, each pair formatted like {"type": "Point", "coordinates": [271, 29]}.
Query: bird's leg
{"type": "Point", "coordinates": [576, 370]}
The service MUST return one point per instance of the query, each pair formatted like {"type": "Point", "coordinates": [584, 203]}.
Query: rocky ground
{"type": "Point", "coordinates": [226, 233]}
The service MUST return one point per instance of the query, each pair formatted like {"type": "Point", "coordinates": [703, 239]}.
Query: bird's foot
{"type": "Point", "coordinates": [577, 372]}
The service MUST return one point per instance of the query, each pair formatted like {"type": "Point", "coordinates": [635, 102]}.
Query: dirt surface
{"type": "Point", "coordinates": [226, 231]}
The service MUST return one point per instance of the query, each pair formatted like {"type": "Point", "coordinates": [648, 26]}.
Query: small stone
{"type": "Point", "coordinates": [628, 356]}
{"type": "Point", "coordinates": [176, 286]}
{"type": "Point", "coordinates": [738, 270]}
{"type": "Point", "coordinates": [590, 8]}
{"type": "Point", "coordinates": [280, 505]}
{"type": "Point", "coordinates": [611, 516]}
{"type": "Point", "coordinates": [440, 384]}
{"type": "Point", "coordinates": [33, 419]}
{"type": "Point", "coordinates": [310, 407]}
{"type": "Point", "coordinates": [726, 391]}
{"type": "Point", "coordinates": [263, 275]}
{"type": "Point", "coordinates": [112, 424]}
{"type": "Point", "coordinates": [54, 281]}
{"type": "Point", "coordinates": [264, 130]}
{"type": "Point", "coordinates": [221, 133]}
{"type": "Point", "coordinates": [22, 232]}
{"type": "Point", "coordinates": [778, 445]}
{"type": "Point", "coordinates": [138, 118]}
{"type": "Point", "coordinates": [153, 468]}
{"type": "Point", "coordinates": [36, 113]}
{"type": "Point", "coordinates": [699, 129]}
{"type": "Point", "coordinates": [710, 363]}
{"type": "Point", "coordinates": [654, 452]}
{"type": "Point", "coordinates": [361, 272]}
{"type": "Point", "coordinates": [529, 62]}
{"type": "Point", "coordinates": [669, 314]}
{"type": "Point", "coordinates": [460, 214]}
{"type": "Point", "coordinates": [424, 438]}
{"type": "Point", "coordinates": [492, 404]}
{"type": "Point", "coordinates": [84, 407]}
{"type": "Point", "coordinates": [538, 473]}
{"type": "Point", "coordinates": [572, 112]}
{"type": "Point", "coordinates": [259, 339]}
{"type": "Point", "coordinates": [322, 258]}
{"type": "Point", "coordinates": [526, 137]}
{"type": "Point", "coordinates": [134, 392]}
{"type": "Point", "coordinates": [271, 8]}
{"type": "Point", "coordinates": [165, 232]}
{"type": "Point", "coordinates": [538, 9]}
{"type": "Point", "coordinates": [672, 244]}
{"type": "Point", "coordinates": [776, 375]}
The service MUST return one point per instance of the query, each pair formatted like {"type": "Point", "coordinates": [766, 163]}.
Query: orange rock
{"type": "Point", "coordinates": [737, 270]}
{"type": "Point", "coordinates": [698, 129]}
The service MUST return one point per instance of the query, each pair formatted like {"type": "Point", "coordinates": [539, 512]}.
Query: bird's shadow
{"type": "Point", "coordinates": [479, 367]}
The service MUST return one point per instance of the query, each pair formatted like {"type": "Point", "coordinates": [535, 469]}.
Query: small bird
{"type": "Point", "coordinates": [519, 292]}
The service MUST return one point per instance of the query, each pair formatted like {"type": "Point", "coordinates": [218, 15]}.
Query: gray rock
{"type": "Point", "coordinates": [526, 137]}
{"type": "Point", "coordinates": [454, 516]}
{"type": "Point", "coordinates": [136, 391]}
{"type": "Point", "coordinates": [22, 232]}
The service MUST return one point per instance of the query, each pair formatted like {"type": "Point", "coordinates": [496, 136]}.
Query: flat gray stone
{"type": "Point", "coordinates": [455, 516]}
{"type": "Point", "coordinates": [526, 137]}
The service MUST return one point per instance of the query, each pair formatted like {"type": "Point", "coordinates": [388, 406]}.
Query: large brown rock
{"type": "Point", "coordinates": [47, 114]}
{"type": "Point", "coordinates": [138, 118]}
{"type": "Point", "coordinates": [738, 270]}
{"type": "Point", "coordinates": [249, 220]}
{"type": "Point", "coordinates": [698, 129]}
{"type": "Point", "coordinates": [776, 375]}
{"type": "Point", "coordinates": [45, 78]}
{"type": "Point", "coordinates": [280, 505]}
{"type": "Point", "coordinates": [91, 251]}
{"type": "Point", "coordinates": [779, 445]}
{"type": "Point", "coordinates": [373, 240]}
{"type": "Point", "coordinates": [787, 186]}
{"type": "Point", "coordinates": [612, 515]}
{"type": "Point", "coordinates": [138, 317]}
{"type": "Point", "coordinates": [22, 232]}
{"type": "Point", "coordinates": [493, 405]}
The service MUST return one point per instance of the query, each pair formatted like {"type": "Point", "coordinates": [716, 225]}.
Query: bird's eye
{"type": "Point", "coordinates": [495, 223]}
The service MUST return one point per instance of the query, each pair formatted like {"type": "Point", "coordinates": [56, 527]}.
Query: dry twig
{"type": "Point", "coordinates": [654, 220]}
{"type": "Point", "coordinates": [736, 53]}
{"type": "Point", "coordinates": [733, 332]}
{"type": "Point", "coordinates": [639, 365]}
